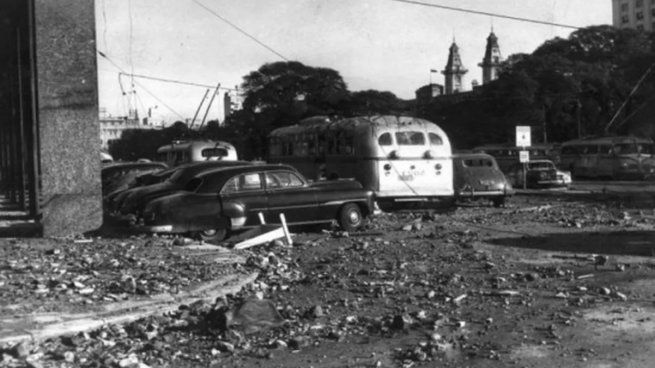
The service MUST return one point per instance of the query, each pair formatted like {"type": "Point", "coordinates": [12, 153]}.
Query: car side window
{"type": "Point", "coordinates": [283, 179]}
{"type": "Point", "coordinates": [251, 182]}
{"type": "Point", "coordinates": [231, 186]}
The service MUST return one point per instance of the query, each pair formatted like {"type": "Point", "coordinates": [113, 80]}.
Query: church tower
{"type": "Point", "coordinates": [454, 71]}
{"type": "Point", "coordinates": [492, 59]}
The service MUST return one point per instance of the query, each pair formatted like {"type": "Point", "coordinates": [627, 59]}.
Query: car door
{"type": "Point", "coordinates": [288, 193]}
{"type": "Point", "coordinates": [245, 193]}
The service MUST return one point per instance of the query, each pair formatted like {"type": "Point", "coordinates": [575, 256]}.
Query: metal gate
{"type": "Point", "coordinates": [19, 139]}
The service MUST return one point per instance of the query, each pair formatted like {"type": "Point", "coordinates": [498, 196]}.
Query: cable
{"type": "Point", "coordinates": [175, 81]}
{"type": "Point", "coordinates": [139, 84]}
{"type": "Point", "coordinates": [488, 14]}
{"type": "Point", "coordinates": [241, 30]}
{"type": "Point", "coordinates": [632, 92]}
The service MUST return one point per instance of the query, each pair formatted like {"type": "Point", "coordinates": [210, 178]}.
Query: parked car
{"type": "Point", "coordinates": [133, 200]}
{"type": "Point", "coordinates": [538, 174]}
{"type": "Point", "coordinates": [477, 176]}
{"type": "Point", "coordinates": [217, 202]}
{"type": "Point", "coordinates": [119, 176]}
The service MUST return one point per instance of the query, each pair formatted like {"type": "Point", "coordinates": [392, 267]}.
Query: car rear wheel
{"type": "Point", "coordinates": [350, 217]}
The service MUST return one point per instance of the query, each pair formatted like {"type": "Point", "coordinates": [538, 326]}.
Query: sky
{"type": "Point", "coordinates": [384, 45]}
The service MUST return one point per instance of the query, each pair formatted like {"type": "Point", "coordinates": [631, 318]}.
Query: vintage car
{"type": "Point", "coordinates": [538, 174]}
{"type": "Point", "coordinates": [217, 202]}
{"type": "Point", "coordinates": [120, 176]}
{"type": "Point", "coordinates": [477, 176]}
{"type": "Point", "coordinates": [133, 200]}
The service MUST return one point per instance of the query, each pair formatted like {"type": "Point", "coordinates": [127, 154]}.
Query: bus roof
{"type": "Point", "coordinates": [180, 145]}
{"type": "Point", "coordinates": [322, 123]}
{"type": "Point", "coordinates": [607, 140]}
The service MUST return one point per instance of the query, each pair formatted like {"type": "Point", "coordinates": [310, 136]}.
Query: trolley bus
{"type": "Point", "coordinates": [181, 152]}
{"type": "Point", "coordinates": [619, 157]}
{"type": "Point", "coordinates": [401, 159]}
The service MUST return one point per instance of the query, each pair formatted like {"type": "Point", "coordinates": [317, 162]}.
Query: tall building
{"type": "Point", "coordinates": [636, 14]}
{"type": "Point", "coordinates": [454, 71]}
{"type": "Point", "coordinates": [491, 62]}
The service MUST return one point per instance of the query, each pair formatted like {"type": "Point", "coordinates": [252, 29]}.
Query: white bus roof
{"type": "Point", "coordinates": [180, 145]}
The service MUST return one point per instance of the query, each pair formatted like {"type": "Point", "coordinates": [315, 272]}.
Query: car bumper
{"type": "Point", "coordinates": [482, 193]}
{"type": "Point", "coordinates": [549, 184]}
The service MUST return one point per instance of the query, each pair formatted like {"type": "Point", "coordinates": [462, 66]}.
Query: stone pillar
{"type": "Point", "coordinates": [67, 103]}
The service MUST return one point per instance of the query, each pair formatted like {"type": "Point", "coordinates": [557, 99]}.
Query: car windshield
{"type": "Point", "coordinates": [540, 165]}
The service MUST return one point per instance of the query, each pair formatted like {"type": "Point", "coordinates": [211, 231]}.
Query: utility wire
{"type": "Point", "coordinates": [175, 81]}
{"type": "Point", "coordinates": [139, 84]}
{"type": "Point", "coordinates": [241, 30]}
{"type": "Point", "coordinates": [632, 92]}
{"type": "Point", "coordinates": [487, 14]}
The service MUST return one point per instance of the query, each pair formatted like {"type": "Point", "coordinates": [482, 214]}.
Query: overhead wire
{"type": "Point", "coordinates": [139, 84]}
{"type": "Point", "coordinates": [490, 14]}
{"type": "Point", "coordinates": [160, 79]}
{"type": "Point", "coordinates": [242, 31]}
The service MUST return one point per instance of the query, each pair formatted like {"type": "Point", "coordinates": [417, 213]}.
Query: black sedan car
{"type": "Point", "coordinates": [538, 174]}
{"type": "Point", "coordinates": [132, 201]}
{"type": "Point", "coordinates": [477, 176]}
{"type": "Point", "coordinates": [227, 199]}
{"type": "Point", "coordinates": [121, 175]}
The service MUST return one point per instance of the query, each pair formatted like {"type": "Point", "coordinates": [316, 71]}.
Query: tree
{"type": "Point", "coordinates": [288, 91]}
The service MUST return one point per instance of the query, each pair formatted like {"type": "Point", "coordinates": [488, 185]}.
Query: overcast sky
{"type": "Point", "coordinates": [374, 44]}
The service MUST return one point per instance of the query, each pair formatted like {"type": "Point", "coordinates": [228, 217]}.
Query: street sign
{"type": "Point", "coordinates": [523, 136]}
{"type": "Point", "coordinates": [524, 156]}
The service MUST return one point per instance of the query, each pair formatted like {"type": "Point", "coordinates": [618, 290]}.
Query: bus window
{"type": "Point", "coordinates": [276, 147]}
{"type": "Point", "coordinates": [646, 149]}
{"type": "Point", "coordinates": [624, 148]}
{"type": "Point", "coordinates": [605, 149]}
{"type": "Point", "coordinates": [435, 139]}
{"type": "Point", "coordinates": [410, 138]}
{"type": "Point", "coordinates": [385, 139]}
{"type": "Point", "coordinates": [345, 144]}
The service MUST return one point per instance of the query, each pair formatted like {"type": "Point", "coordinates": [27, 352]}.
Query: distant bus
{"type": "Point", "coordinates": [617, 157]}
{"type": "Point", "coordinates": [401, 159]}
{"type": "Point", "coordinates": [181, 152]}
{"type": "Point", "coordinates": [507, 156]}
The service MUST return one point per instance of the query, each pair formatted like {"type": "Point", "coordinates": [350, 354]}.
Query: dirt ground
{"type": "Point", "coordinates": [546, 281]}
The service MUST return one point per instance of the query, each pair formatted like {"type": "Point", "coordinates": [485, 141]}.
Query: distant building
{"type": "Point", "coordinates": [112, 128]}
{"type": "Point", "coordinates": [454, 71]}
{"type": "Point", "coordinates": [426, 93]}
{"type": "Point", "coordinates": [492, 59]}
{"type": "Point", "coordinates": [635, 14]}
{"type": "Point", "coordinates": [232, 101]}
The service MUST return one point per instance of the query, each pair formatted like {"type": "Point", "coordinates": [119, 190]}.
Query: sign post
{"type": "Point", "coordinates": [523, 140]}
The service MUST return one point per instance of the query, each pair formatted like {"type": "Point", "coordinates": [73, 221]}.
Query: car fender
{"type": "Point", "coordinates": [235, 211]}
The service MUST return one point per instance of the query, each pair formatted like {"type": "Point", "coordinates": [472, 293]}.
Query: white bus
{"type": "Point", "coordinates": [181, 152]}
{"type": "Point", "coordinates": [401, 159]}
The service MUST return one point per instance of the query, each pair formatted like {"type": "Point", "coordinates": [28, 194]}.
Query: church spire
{"type": "Point", "coordinates": [454, 70]}
{"type": "Point", "coordinates": [492, 59]}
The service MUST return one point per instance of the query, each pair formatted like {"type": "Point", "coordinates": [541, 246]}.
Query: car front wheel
{"type": "Point", "coordinates": [350, 217]}
{"type": "Point", "coordinates": [213, 235]}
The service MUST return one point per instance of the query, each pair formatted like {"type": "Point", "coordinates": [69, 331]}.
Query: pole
{"type": "Point", "coordinates": [198, 110]}
{"type": "Point", "coordinates": [210, 105]}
